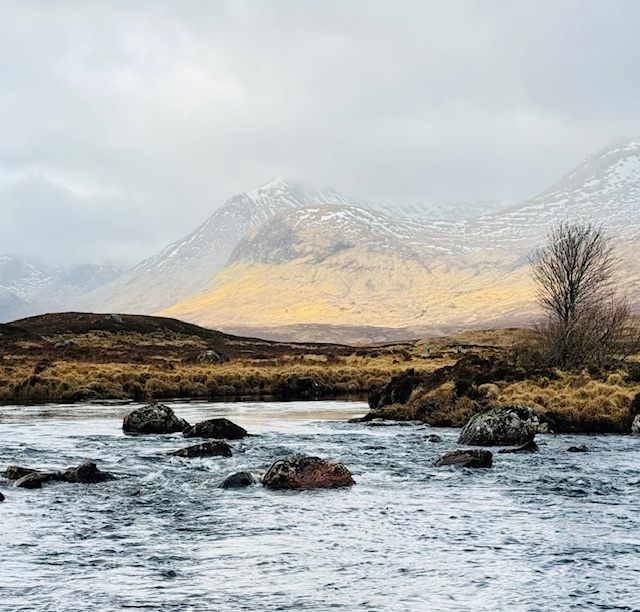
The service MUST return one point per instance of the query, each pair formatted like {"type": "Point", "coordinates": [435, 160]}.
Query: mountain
{"type": "Point", "coordinates": [189, 265]}
{"type": "Point", "coordinates": [341, 264]}
{"type": "Point", "coordinates": [28, 287]}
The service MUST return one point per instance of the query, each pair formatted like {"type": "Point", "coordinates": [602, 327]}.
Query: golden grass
{"type": "Point", "coordinates": [576, 398]}
{"type": "Point", "coordinates": [135, 366]}
{"type": "Point", "coordinates": [40, 381]}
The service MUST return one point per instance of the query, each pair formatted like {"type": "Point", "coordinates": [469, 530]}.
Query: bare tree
{"type": "Point", "coordinates": [585, 319]}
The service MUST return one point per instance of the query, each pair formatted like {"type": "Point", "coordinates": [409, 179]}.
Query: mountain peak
{"type": "Point", "coordinates": [277, 184]}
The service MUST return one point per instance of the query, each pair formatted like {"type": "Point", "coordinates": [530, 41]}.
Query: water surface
{"type": "Point", "coordinates": [551, 531]}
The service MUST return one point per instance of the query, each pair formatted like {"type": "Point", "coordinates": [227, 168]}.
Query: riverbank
{"type": "Point", "coordinates": [565, 402]}
{"type": "Point", "coordinates": [76, 357]}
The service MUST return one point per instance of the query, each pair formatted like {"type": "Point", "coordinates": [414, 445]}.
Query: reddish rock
{"type": "Point", "coordinates": [301, 472]}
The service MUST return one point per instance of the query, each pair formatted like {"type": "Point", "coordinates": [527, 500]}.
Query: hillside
{"type": "Point", "coordinates": [189, 264]}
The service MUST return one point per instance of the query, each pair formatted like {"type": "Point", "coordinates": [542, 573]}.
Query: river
{"type": "Point", "coordinates": [548, 531]}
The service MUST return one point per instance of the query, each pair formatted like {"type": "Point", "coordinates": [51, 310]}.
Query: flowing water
{"type": "Point", "coordinates": [550, 531]}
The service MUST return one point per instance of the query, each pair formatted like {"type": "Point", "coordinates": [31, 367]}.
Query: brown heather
{"type": "Point", "coordinates": [57, 360]}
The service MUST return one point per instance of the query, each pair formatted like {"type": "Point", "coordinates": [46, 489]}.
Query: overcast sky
{"type": "Point", "coordinates": [125, 124]}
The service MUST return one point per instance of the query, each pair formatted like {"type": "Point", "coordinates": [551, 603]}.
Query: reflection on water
{"type": "Point", "coordinates": [551, 531]}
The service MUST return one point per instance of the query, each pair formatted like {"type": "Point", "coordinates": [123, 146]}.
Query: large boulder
{"type": "Point", "coordinates": [221, 429]}
{"type": "Point", "coordinates": [474, 458]}
{"type": "Point", "coordinates": [214, 448]}
{"type": "Point", "coordinates": [237, 481]}
{"type": "Point", "coordinates": [635, 425]}
{"type": "Point", "coordinates": [302, 472]}
{"type": "Point", "coordinates": [505, 426]}
{"type": "Point", "coordinates": [153, 419]}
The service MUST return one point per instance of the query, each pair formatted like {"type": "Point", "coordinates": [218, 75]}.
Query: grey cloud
{"type": "Point", "coordinates": [125, 124]}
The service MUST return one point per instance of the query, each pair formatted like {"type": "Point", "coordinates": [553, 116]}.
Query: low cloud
{"type": "Point", "coordinates": [126, 124]}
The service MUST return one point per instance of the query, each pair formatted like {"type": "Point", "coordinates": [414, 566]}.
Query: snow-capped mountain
{"type": "Point", "coordinates": [353, 265]}
{"type": "Point", "coordinates": [29, 287]}
{"type": "Point", "coordinates": [190, 264]}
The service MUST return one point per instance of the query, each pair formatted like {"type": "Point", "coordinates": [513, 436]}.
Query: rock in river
{"type": "Point", "coordinates": [214, 448]}
{"type": "Point", "coordinates": [527, 447]}
{"type": "Point", "coordinates": [474, 458]}
{"type": "Point", "coordinates": [505, 426]}
{"type": "Point", "coordinates": [153, 419]}
{"type": "Point", "coordinates": [86, 473]}
{"type": "Point", "coordinates": [2, 498]}
{"type": "Point", "coordinates": [578, 449]}
{"type": "Point", "coordinates": [34, 480]}
{"type": "Point", "coordinates": [635, 426]}
{"type": "Point", "coordinates": [15, 472]}
{"type": "Point", "coordinates": [237, 481]}
{"type": "Point", "coordinates": [302, 472]}
{"type": "Point", "coordinates": [221, 429]}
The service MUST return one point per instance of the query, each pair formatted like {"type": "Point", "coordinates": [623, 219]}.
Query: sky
{"type": "Point", "coordinates": [126, 124]}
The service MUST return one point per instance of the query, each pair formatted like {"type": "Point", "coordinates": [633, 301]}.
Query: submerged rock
{"type": "Point", "coordinates": [14, 472]}
{"type": "Point", "coordinates": [86, 473]}
{"type": "Point", "coordinates": [505, 426]}
{"type": "Point", "coordinates": [153, 419]}
{"type": "Point", "coordinates": [578, 449]}
{"type": "Point", "coordinates": [302, 472]}
{"type": "Point", "coordinates": [237, 481]}
{"type": "Point", "coordinates": [207, 449]}
{"type": "Point", "coordinates": [389, 423]}
{"type": "Point", "coordinates": [527, 447]}
{"type": "Point", "coordinates": [34, 480]}
{"type": "Point", "coordinates": [435, 438]}
{"type": "Point", "coordinates": [474, 458]}
{"type": "Point", "coordinates": [215, 428]}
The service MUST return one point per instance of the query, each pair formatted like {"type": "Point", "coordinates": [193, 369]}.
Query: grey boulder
{"type": "Point", "coordinates": [237, 481]}
{"type": "Point", "coordinates": [153, 419]}
{"type": "Point", "coordinates": [504, 426]}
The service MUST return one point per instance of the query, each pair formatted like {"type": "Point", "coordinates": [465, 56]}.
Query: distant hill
{"type": "Point", "coordinates": [143, 339]}
{"type": "Point", "coordinates": [30, 287]}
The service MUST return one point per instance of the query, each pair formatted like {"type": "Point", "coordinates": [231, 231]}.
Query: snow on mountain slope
{"type": "Point", "coordinates": [604, 188]}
